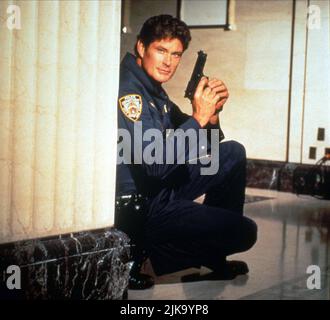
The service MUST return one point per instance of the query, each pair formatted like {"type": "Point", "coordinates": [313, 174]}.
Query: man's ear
{"type": "Point", "coordinates": [140, 48]}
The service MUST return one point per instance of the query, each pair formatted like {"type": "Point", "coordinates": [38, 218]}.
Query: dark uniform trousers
{"type": "Point", "coordinates": [181, 233]}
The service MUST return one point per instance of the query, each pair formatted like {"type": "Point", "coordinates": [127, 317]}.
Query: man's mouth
{"type": "Point", "coordinates": [165, 72]}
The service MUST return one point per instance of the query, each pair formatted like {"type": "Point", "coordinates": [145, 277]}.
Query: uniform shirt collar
{"type": "Point", "coordinates": [151, 85]}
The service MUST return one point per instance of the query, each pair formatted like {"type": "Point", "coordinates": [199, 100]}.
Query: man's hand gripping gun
{"type": "Point", "coordinates": [194, 81]}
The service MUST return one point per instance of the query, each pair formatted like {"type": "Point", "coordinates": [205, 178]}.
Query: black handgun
{"type": "Point", "coordinates": [194, 81]}
{"type": "Point", "coordinates": [196, 75]}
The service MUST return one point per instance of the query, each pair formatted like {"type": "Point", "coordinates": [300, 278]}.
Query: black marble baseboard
{"type": "Point", "coordinates": [273, 175]}
{"type": "Point", "coordinates": [84, 265]}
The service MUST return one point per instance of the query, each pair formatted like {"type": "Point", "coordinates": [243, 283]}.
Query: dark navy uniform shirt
{"type": "Point", "coordinates": [143, 101]}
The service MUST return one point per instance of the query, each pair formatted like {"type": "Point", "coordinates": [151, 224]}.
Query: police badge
{"type": "Point", "coordinates": [131, 106]}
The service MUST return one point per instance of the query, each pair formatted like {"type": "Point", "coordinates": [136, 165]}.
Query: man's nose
{"type": "Point", "coordinates": [167, 60]}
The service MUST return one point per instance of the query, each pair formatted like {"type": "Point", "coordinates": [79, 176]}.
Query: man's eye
{"type": "Point", "coordinates": [161, 50]}
{"type": "Point", "coordinates": [177, 55]}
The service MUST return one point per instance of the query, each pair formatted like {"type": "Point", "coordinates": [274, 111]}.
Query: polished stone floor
{"type": "Point", "coordinates": [293, 234]}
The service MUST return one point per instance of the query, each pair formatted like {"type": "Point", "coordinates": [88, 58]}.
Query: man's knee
{"type": "Point", "coordinates": [249, 234]}
{"type": "Point", "coordinates": [236, 151]}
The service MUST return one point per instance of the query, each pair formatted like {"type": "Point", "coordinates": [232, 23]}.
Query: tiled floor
{"type": "Point", "coordinates": [294, 233]}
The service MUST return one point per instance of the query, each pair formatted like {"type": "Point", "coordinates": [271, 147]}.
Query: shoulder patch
{"type": "Point", "coordinates": [131, 106]}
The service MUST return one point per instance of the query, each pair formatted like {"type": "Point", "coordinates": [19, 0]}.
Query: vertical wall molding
{"type": "Point", "coordinates": [58, 90]}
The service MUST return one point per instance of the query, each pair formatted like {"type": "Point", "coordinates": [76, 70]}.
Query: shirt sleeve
{"type": "Point", "coordinates": [179, 117]}
{"type": "Point", "coordinates": [209, 127]}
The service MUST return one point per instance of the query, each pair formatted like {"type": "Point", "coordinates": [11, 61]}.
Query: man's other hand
{"type": "Point", "coordinates": [220, 88]}
{"type": "Point", "coordinates": [209, 98]}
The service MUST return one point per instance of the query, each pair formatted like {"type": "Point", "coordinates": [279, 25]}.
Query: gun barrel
{"type": "Point", "coordinates": [197, 74]}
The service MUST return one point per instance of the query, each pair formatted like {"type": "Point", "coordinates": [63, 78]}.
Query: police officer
{"type": "Point", "coordinates": [180, 233]}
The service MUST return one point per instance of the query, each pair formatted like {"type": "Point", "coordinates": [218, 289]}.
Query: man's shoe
{"type": "Point", "coordinates": [231, 269]}
{"type": "Point", "coordinates": [140, 281]}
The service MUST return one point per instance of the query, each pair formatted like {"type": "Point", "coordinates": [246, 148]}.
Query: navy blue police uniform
{"type": "Point", "coordinates": [179, 232]}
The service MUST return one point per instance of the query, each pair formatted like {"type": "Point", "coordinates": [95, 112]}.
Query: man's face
{"type": "Point", "coordinates": [161, 58]}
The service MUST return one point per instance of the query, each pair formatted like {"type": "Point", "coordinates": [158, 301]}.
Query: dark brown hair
{"type": "Point", "coordinates": [162, 27]}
